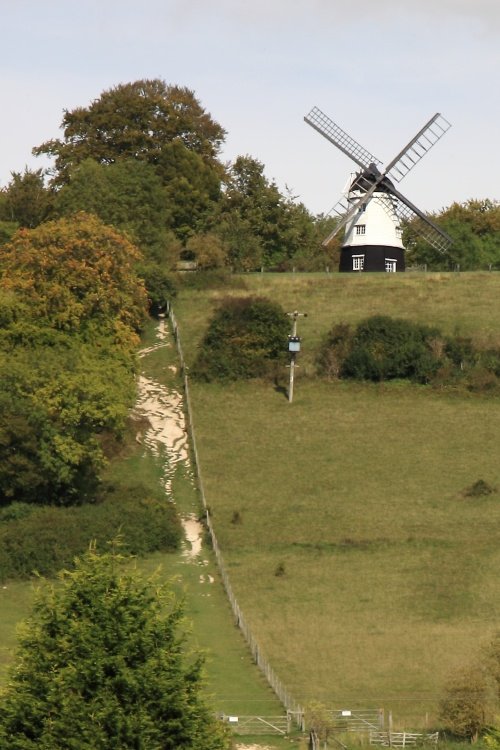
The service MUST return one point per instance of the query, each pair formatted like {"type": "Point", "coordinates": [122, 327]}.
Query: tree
{"type": "Point", "coordinates": [134, 120]}
{"type": "Point", "coordinates": [192, 189]}
{"type": "Point", "coordinates": [102, 664]}
{"type": "Point", "coordinates": [208, 250]}
{"type": "Point", "coordinates": [56, 401]}
{"type": "Point", "coordinates": [283, 228]}
{"type": "Point", "coordinates": [474, 227]}
{"type": "Point", "coordinates": [26, 201]}
{"type": "Point", "coordinates": [128, 195]}
{"type": "Point", "coordinates": [76, 274]}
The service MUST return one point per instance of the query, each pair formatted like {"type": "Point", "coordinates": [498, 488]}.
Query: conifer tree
{"type": "Point", "coordinates": [102, 665]}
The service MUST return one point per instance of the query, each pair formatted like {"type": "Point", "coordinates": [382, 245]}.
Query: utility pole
{"type": "Point", "coordinates": [293, 348]}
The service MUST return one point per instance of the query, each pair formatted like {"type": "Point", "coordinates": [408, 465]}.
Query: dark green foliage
{"type": "Point", "coordinates": [383, 348]}
{"type": "Point", "coordinates": [161, 287]}
{"type": "Point", "coordinates": [43, 540]}
{"type": "Point", "coordinates": [260, 225]}
{"type": "Point", "coordinates": [474, 227]}
{"type": "Point", "coordinates": [26, 201]}
{"type": "Point", "coordinates": [245, 336]}
{"type": "Point", "coordinates": [102, 665]}
{"type": "Point", "coordinates": [128, 195]}
{"type": "Point", "coordinates": [380, 348]}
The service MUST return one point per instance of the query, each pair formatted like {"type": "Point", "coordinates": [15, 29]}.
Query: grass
{"type": "Point", "coordinates": [355, 493]}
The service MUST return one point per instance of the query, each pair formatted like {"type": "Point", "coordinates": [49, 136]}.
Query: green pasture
{"type": "Point", "coordinates": [365, 571]}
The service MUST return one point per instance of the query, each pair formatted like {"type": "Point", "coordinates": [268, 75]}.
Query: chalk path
{"type": "Point", "coordinates": [166, 437]}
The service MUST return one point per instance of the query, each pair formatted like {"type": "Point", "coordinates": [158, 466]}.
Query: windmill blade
{"type": "Point", "coordinates": [425, 139]}
{"type": "Point", "coordinates": [356, 207]}
{"type": "Point", "coordinates": [426, 228]}
{"type": "Point", "coordinates": [333, 133]}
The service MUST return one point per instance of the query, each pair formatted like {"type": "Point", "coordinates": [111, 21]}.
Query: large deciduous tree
{"type": "Point", "coordinates": [102, 664]}
{"type": "Point", "coordinates": [134, 120]}
{"type": "Point", "coordinates": [74, 273]}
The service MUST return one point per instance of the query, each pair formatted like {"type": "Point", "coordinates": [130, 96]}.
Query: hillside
{"type": "Point", "coordinates": [355, 494]}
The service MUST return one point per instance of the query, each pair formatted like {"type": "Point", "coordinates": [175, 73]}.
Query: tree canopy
{"type": "Point", "coordinates": [76, 272]}
{"type": "Point", "coordinates": [103, 664]}
{"type": "Point", "coordinates": [474, 227]}
{"type": "Point", "coordinates": [71, 306]}
{"type": "Point", "coordinates": [133, 120]}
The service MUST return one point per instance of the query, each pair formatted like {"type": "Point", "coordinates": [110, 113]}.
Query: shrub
{"type": "Point", "coordinates": [48, 538]}
{"type": "Point", "coordinates": [381, 348]}
{"type": "Point", "coordinates": [465, 709]}
{"type": "Point", "coordinates": [336, 347]}
{"type": "Point", "coordinates": [244, 337]}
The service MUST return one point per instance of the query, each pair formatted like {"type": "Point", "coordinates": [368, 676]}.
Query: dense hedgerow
{"type": "Point", "coordinates": [46, 539]}
{"type": "Point", "coordinates": [383, 348]}
{"type": "Point", "coordinates": [245, 337]}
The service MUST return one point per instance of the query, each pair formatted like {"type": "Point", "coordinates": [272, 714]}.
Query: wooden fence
{"type": "Point", "coordinates": [290, 704]}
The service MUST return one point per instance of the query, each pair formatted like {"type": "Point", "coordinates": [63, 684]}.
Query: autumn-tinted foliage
{"type": "Point", "coordinates": [71, 305]}
{"type": "Point", "coordinates": [245, 337]}
{"type": "Point", "coordinates": [73, 272]}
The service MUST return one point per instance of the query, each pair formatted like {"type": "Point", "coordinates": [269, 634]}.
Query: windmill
{"type": "Point", "coordinates": [372, 210]}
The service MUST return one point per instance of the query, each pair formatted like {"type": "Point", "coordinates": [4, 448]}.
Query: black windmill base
{"type": "Point", "coordinates": [371, 258]}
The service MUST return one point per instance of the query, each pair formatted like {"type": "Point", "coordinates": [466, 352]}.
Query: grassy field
{"type": "Point", "coordinates": [366, 573]}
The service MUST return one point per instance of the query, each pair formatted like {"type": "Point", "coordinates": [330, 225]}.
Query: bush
{"type": "Point", "coordinates": [381, 348]}
{"type": "Point", "coordinates": [48, 538]}
{"type": "Point", "coordinates": [465, 709]}
{"type": "Point", "coordinates": [245, 336]}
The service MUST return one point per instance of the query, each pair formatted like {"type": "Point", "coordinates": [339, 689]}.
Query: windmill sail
{"type": "Point", "coordinates": [426, 228]}
{"type": "Point", "coordinates": [333, 133]}
{"type": "Point", "coordinates": [425, 139]}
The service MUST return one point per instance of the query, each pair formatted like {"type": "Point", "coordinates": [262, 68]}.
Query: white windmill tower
{"type": "Point", "coordinates": [372, 209]}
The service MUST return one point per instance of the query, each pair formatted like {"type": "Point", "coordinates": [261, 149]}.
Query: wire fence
{"type": "Point", "coordinates": [276, 684]}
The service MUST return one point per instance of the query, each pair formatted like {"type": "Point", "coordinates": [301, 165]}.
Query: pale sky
{"type": "Point", "coordinates": [378, 68]}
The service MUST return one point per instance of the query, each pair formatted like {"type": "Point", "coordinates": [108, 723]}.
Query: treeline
{"type": "Point", "coordinates": [145, 158]}
{"type": "Point", "coordinates": [72, 304]}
